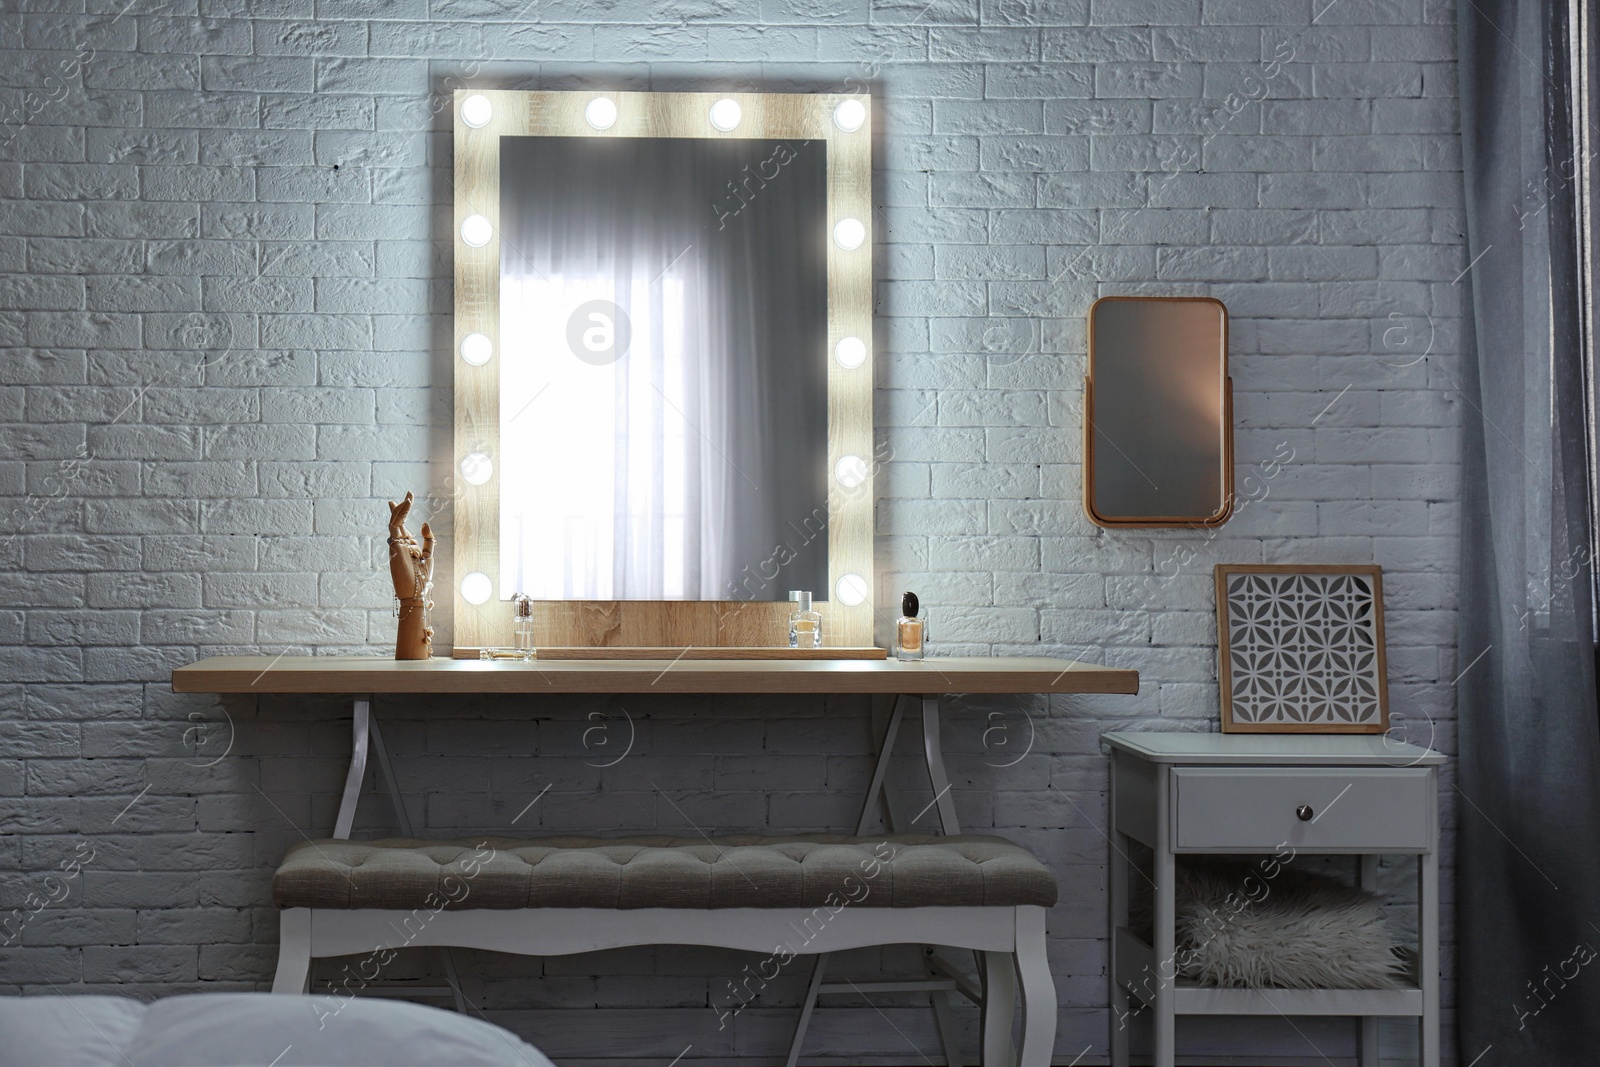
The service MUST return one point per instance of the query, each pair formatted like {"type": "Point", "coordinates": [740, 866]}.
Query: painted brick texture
{"type": "Point", "coordinates": [224, 333]}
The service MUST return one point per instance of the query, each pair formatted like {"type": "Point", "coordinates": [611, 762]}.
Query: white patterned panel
{"type": "Point", "coordinates": [1303, 649]}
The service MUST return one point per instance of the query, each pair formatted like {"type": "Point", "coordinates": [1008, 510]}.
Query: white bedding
{"type": "Point", "coordinates": [249, 1030]}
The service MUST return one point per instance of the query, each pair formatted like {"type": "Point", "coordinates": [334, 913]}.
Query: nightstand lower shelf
{"type": "Point", "coordinates": [1134, 959]}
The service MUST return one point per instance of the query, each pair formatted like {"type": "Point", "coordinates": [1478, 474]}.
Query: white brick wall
{"type": "Point", "coordinates": [224, 323]}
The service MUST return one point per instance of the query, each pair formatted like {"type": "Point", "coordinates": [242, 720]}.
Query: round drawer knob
{"type": "Point", "coordinates": [1304, 813]}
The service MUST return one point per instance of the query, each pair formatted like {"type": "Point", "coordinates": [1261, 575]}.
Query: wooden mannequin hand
{"type": "Point", "coordinates": [411, 568]}
{"type": "Point", "coordinates": [410, 565]}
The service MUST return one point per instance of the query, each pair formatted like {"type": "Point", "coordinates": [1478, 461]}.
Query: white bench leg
{"type": "Point", "coordinates": [999, 1004]}
{"type": "Point", "coordinates": [1038, 991]}
{"type": "Point", "coordinates": [294, 952]}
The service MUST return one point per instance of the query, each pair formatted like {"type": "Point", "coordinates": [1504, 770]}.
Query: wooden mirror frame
{"type": "Point", "coordinates": [647, 623]}
{"type": "Point", "coordinates": [1223, 513]}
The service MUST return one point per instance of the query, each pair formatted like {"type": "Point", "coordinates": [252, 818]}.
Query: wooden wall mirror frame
{"type": "Point", "coordinates": [666, 623]}
{"type": "Point", "coordinates": [1173, 409]}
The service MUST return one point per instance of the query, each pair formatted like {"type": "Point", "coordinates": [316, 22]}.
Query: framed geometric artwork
{"type": "Point", "coordinates": [1300, 649]}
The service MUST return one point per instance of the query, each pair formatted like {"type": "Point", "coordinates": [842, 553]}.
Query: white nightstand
{"type": "Point", "coordinates": [1246, 794]}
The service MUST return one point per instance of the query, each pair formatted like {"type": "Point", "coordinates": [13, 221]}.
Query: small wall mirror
{"type": "Point", "coordinates": [1158, 413]}
{"type": "Point", "coordinates": [663, 324]}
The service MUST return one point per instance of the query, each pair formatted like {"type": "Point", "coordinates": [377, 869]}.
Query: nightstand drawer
{"type": "Point", "coordinates": [1335, 809]}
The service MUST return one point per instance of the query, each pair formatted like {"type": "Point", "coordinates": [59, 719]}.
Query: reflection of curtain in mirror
{"type": "Point", "coordinates": [659, 473]}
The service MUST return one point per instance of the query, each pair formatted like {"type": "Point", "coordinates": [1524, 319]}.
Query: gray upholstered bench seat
{"type": "Point", "coordinates": [738, 871]}
{"type": "Point", "coordinates": [779, 896]}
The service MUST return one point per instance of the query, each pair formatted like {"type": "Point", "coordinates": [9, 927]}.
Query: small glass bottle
{"type": "Point", "coordinates": [910, 630]}
{"type": "Point", "coordinates": [521, 646]}
{"type": "Point", "coordinates": [522, 624]}
{"type": "Point", "coordinates": [805, 625]}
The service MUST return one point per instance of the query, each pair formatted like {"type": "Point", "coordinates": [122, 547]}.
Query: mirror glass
{"type": "Point", "coordinates": [664, 368]}
{"type": "Point", "coordinates": [1158, 441]}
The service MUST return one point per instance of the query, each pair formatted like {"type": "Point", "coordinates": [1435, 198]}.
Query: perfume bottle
{"type": "Point", "coordinates": [910, 631]}
{"type": "Point", "coordinates": [522, 646]}
{"type": "Point", "coordinates": [805, 625]}
{"type": "Point", "coordinates": [522, 624]}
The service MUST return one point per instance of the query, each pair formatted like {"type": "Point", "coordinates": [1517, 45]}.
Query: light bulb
{"type": "Point", "coordinates": [476, 231]}
{"type": "Point", "coordinates": [476, 349]}
{"type": "Point", "coordinates": [851, 352]}
{"type": "Point", "coordinates": [850, 471]}
{"type": "Point", "coordinates": [725, 115]}
{"type": "Point", "coordinates": [476, 111]}
{"type": "Point", "coordinates": [852, 590]}
{"type": "Point", "coordinates": [601, 113]}
{"type": "Point", "coordinates": [476, 588]}
{"type": "Point", "coordinates": [476, 468]}
{"type": "Point", "coordinates": [849, 233]}
{"type": "Point", "coordinates": [849, 115]}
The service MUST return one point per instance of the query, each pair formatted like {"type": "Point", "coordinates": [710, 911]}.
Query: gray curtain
{"type": "Point", "coordinates": [1528, 803]}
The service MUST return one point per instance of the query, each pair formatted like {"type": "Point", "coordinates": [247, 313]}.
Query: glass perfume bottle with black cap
{"type": "Point", "coordinates": [910, 629]}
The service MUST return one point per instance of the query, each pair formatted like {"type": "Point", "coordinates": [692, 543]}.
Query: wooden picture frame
{"type": "Point", "coordinates": [677, 623]}
{"type": "Point", "coordinates": [1299, 650]}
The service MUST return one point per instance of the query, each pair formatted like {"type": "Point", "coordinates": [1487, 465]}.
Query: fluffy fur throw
{"type": "Point", "coordinates": [1305, 931]}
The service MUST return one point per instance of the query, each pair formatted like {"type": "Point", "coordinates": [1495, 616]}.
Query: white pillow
{"type": "Point", "coordinates": [1303, 931]}
{"type": "Point", "coordinates": [250, 1030]}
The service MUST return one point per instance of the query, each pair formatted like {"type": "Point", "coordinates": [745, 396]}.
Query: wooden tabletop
{"type": "Point", "coordinates": [363, 674]}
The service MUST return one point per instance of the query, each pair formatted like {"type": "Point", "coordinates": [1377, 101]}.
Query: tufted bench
{"type": "Point", "coordinates": [786, 896]}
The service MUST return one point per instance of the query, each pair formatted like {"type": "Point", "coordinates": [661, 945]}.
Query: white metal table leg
{"type": "Point", "coordinates": [876, 793]}
{"type": "Point", "coordinates": [296, 937]}
{"type": "Point", "coordinates": [366, 737]}
{"type": "Point", "coordinates": [403, 819]}
{"type": "Point", "coordinates": [876, 790]}
{"type": "Point", "coordinates": [933, 753]}
{"type": "Point", "coordinates": [391, 783]}
{"type": "Point", "coordinates": [358, 769]}
{"type": "Point", "coordinates": [939, 780]}
{"type": "Point", "coordinates": [819, 966]}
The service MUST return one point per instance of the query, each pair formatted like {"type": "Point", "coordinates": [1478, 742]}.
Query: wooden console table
{"type": "Point", "coordinates": [926, 681]}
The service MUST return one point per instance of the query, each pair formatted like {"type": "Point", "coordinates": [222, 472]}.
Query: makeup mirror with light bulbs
{"type": "Point", "coordinates": [663, 330]}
